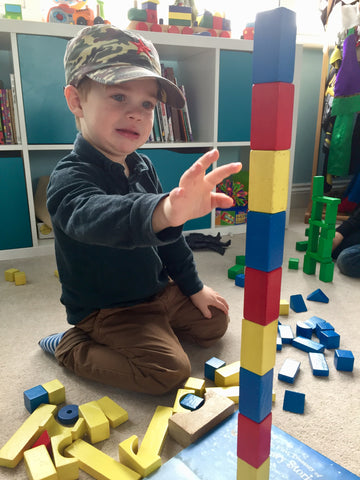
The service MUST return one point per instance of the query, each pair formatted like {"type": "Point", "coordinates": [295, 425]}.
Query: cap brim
{"type": "Point", "coordinates": [171, 94]}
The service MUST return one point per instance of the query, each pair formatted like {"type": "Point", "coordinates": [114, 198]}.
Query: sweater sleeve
{"type": "Point", "coordinates": [352, 224]}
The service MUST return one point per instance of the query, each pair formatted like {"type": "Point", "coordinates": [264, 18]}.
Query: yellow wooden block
{"type": "Point", "coordinates": [67, 468]}
{"type": "Point", "coordinates": [195, 384]}
{"type": "Point", "coordinates": [258, 346]}
{"type": "Point", "coordinates": [229, 392]}
{"type": "Point", "coordinates": [284, 307]}
{"type": "Point", "coordinates": [228, 375]}
{"type": "Point", "coordinates": [180, 15]}
{"type": "Point", "coordinates": [268, 180]}
{"type": "Point", "coordinates": [248, 472]}
{"type": "Point", "coordinates": [79, 429]}
{"type": "Point", "coordinates": [179, 395]}
{"type": "Point", "coordinates": [273, 397]}
{"type": "Point", "coordinates": [146, 459]}
{"type": "Point", "coordinates": [12, 452]}
{"type": "Point", "coordinates": [97, 424]}
{"type": "Point", "coordinates": [56, 391]}
{"type": "Point", "coordinates": [39, 465]}
{"type": "Point", "coordinates": [98, 464]}
{"type": "Point", "coordinates": [10, 274]}
{"type": "Point", "coordinates": [19, 278]}
{"type": "Point", "coordinates": [113, 412]}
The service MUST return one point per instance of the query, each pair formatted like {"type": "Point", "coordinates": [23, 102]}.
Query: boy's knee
{"type": "Point", "coordinates": [214, 329]}
{"type": "Point", "coordinates": [172, 376]}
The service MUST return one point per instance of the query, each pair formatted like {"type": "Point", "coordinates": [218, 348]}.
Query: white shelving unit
{"type": "Point", "coordinates": [197, 62]}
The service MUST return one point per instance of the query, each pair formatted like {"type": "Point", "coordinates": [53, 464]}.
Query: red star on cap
{"type": "Point", "coordinates": [142, 48]}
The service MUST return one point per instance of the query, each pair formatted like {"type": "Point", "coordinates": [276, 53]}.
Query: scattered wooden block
{"type": "Point", "coordinates": [289, 370]}
{"type": "Point", "coordinates": [318, 364]}
{"type": "Point", "coordinates": [196, 384]}
{"type": "Point", "coordinates": [19, 278]}
{"type": "Point", "coordinates": [10, 274]}
{"type": "Point", "coordinates": [212, 365]}
{"type": "Point", "coordinates": [97, 424]}
{"type": "Point", "coordinates": [187, 427]}
{"type": "Point", "coordinates": [228, 375]}
{"type": "Point", "coordinates": [56, 391]}
{"type": "Point", "coordinates": [98, 464]}
{"type": "Point", "coordinates": [39, 465]}
{"type": "Point", "coordinates": [284, 307]}
{"type": "Point", "coordinates": [113, 412]}
{"type": "Point", "coordinates": [343, 360]}
{"type": "Point", "coordinates": [67, 468]}
{"type": "Point", "coordinates": [294, 401]}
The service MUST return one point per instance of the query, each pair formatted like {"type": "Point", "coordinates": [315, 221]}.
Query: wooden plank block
{"type": "Point", "coordinates": [187, 427]}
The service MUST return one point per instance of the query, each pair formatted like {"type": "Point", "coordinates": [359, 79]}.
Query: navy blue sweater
{"type": "Point", "coordinates": [106, 250]}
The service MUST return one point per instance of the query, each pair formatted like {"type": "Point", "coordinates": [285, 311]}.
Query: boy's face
{"type": "Point", "coordinates": [117, 119]}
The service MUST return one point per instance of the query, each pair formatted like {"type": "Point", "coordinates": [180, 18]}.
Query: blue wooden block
{"type": "Point", "coordinates": [304, 329]}
{"type": "Point", "coordinates": [179, 9]}
{"type": "Point", "coordinates": [289, 370]}
{"type": "Point", "coordinates": [318, 364]}
{"type": "Point", "coordinates": [329, 338]}
{"type": "Point", "coordinates": [294, 401]}
{"type": "Point", "coordinates": [307, 345]}
{"type": "Point", "coordinates": [192, 402]}
{"type": "Point", "coordinates": [274, 46]}
{"type": "Point", "coordinates": [297, 303]}
{"type": "Point", "coordinates": [313, 321]}
{"type": "Point", "coordinates": [278, 342]}
{"type": "Point", "coordinates": [240, 280]}
{"type": "Point", "coordinates": [68, 415]}
{"type": "Point", "coordinates": [255, 400]}
{"type": "Point", "coordinates": [344, 360]}
{"type": "Point", "coordinates": [318, 296]}
{"type": "Point", "coordinates": [323, 325]}
{"type": "Point", "coordinates": [286, 333]}
{"type": "Point", "coordinates": [34, 397]}
{"type": "Point", "coordinates": [149, 6]}
{"type": "Point", "coordinates": [265, 240]}
{"type": "Point", "coordinates": [212, 365]}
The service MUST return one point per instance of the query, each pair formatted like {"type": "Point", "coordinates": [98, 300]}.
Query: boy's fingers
{"type": "Point", "coordinates": [217, 175]}
{"type": "Point", "coordinates": [208, 158]}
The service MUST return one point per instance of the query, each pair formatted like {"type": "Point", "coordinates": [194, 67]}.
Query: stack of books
{"type": "Point", "coordinates": [9, 120]}
{"type": "Point", "coordinates": [171, 124]}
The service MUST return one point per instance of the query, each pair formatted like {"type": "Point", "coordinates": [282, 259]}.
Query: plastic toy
{"type": "Point", "coordinates": [76, 12]}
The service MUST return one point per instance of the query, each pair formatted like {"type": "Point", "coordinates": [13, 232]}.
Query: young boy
{"type": "Point", "coordinates": [129, 282]}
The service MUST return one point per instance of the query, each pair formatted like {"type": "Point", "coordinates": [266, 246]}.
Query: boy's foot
{"type": "Point", "coordinates": [49, 343]}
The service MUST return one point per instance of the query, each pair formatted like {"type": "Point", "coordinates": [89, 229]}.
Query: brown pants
{"type": "Point", "coordinates": [137, 348]}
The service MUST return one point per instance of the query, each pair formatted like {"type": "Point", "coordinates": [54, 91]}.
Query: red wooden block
{"type": "Point", "coordinates": [151, 16]}
{"type": "Point", "coordinates": [44, 439]}
{"type": "Point", "coordinates": [271, 116]}
{"type": "Point", "coordinates": [217, 22]}
{"type": "Point", "coordinates": [254, 440]}
{"type": "Point", "coordinates": [262, 295]}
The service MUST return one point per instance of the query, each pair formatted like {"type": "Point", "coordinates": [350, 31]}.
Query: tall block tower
{"type": "Point", "coordinates": [270, 141]}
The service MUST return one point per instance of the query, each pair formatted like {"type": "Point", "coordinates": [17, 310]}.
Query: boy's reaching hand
{"type": "Point", "coordinates": [194, 197]}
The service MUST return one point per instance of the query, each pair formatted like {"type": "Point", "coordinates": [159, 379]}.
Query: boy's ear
{"type": "Point", "coordinates": [73, 100]}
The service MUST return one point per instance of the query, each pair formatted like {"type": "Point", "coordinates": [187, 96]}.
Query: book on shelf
{"type": "Point", "coordinates": [171, 124]}
{"type": "Point", "coordinates": [9, 115]}
{"type": "Point", "coordinates": [6, 116]}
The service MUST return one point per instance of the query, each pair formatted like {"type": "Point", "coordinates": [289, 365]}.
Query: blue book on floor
{"type": "Point", "coordinates": [214, 457]}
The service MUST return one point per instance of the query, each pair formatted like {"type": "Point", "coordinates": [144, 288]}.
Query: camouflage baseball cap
{"type": "Point", "coordinates": [110, 56]}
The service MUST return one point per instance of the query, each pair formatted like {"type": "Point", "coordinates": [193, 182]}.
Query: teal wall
{"type": "Point", "coordinates": [307, 114]}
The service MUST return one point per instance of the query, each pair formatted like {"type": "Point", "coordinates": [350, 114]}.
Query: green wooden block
{"type": "Point", "coordinates": [235, 270]}
{"type": "Point", "coordinates": [293, 263]}
{"type": "Point", "coordinates": [326, 273]}
{"type": "Point", "coordinates": [240, 260]}
{"type": "Point", "coordinates": [309, 266]}
{"type": "Point", "coordinates": [318, 186]}
{"type": "Point", "coordinates": [301, 246]}
{"type": "Point", "coordinates": [179, 22]}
